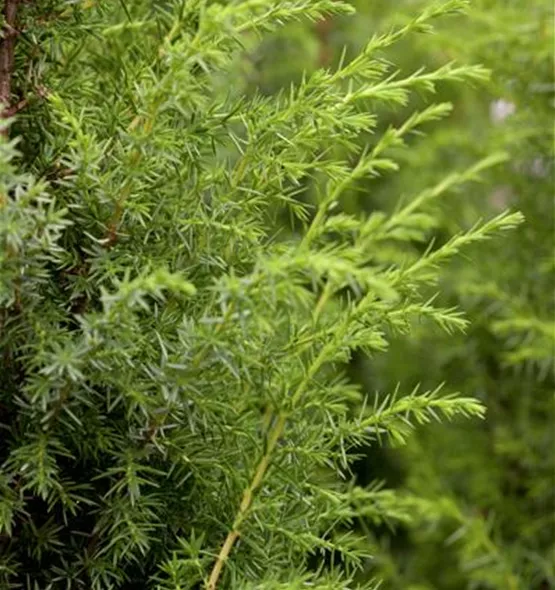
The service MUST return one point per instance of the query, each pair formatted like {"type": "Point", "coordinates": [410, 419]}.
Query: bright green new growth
{"type": "Point", "coordinates": [491, 481]}
{"type": "Point", "coordinates": [174, 410]}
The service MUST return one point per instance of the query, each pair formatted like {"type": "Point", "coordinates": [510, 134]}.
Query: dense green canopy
{"type": "Point", "coordinates": [246, 263]}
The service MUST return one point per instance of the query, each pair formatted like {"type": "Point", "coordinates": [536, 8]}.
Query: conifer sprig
{"type": "Point", "coordinates": [174, 407]}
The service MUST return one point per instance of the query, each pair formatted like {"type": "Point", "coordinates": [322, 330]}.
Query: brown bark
{"type": "Point", "coordinates": [7, 48]}
{"type": "Point", "coordinates": [323, 31]}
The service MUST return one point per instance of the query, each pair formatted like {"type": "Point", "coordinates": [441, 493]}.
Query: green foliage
{"type": "Point", "coordinates": [495, 479]}
{"type": "Point", "coordinates": [175, 408]}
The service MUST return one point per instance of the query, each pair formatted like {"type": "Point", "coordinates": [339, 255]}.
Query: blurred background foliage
{"type": "Point", "coordinates": [490, 486]}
